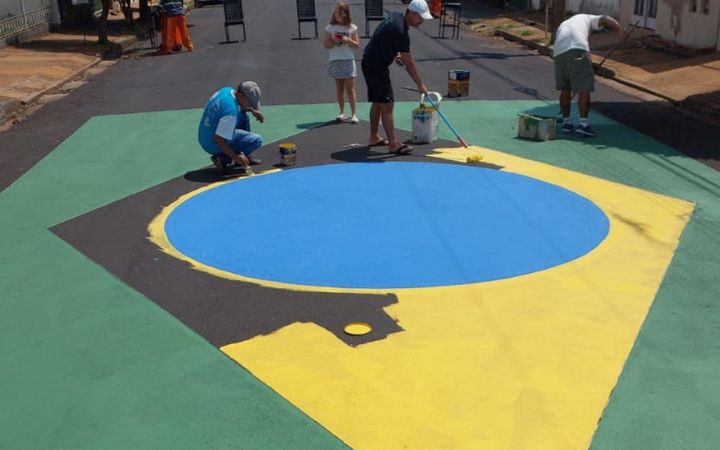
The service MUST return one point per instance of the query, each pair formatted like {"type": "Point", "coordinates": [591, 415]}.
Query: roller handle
{"type": "Point", "coordinates": [447, 122]}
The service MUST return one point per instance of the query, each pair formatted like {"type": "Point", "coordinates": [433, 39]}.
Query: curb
{"type": "Point", "coordinates": [8, 106]}
{"type": "Point", "coordinates": [542, 49]}
{"type": "Point", "coordinates": [642, 88]}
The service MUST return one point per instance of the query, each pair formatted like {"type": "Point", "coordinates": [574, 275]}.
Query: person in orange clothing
{"type": "Point", "coordinates": [163, 27]}
{"type": "Point", "coordinates": [175, 29]}
{"type": "Point", "coordinates": [435, 8]}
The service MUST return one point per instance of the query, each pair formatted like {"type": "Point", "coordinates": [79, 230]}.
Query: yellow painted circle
{"type": "Point", "coordinates": [358, 328]}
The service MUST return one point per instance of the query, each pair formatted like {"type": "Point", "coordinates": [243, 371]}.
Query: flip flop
{"type": "Point", "coordinates": [402, 150]}
{"type": "Point", "coordinates": [380, 143]}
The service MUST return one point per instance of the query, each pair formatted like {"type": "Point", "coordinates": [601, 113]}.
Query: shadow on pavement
{"type": "Point", "coordinates": [464, 56]}
{"type": "Point", "coordinates": [311, 125]}
{"type": "Point", "coordinates": [211, 175]}
{"type": "Point", "coordinates": [678, 131]}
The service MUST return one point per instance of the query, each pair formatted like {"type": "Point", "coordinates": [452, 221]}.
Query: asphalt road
{"type": "Point", "coordinates": [292, 71]}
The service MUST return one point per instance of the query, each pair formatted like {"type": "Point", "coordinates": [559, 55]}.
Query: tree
{"type": "Point", "coordinates": [102, 22]}
{"type": "Point", "coordinates": [557, 15]}
{"type": "Point", "coordinates": [127, 11]}
{"type": "Point", "coordinates": [144, 11]}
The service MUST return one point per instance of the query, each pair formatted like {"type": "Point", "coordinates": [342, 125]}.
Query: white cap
{"type": "Point", "coordinates": [420, 7]}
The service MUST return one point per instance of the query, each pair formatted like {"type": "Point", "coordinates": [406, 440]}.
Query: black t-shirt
{"type": "Point", "coordinates": [390, 37]}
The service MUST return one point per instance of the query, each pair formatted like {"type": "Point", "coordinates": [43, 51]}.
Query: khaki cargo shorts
{"type": "Point", "coordinates": [574, 72]}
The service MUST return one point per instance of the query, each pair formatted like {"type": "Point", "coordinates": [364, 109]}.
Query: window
{"type": "Point", "coordinates": [704, 6]}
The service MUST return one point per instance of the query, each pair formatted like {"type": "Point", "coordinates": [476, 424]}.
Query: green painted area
{"type": "Point", "coordinates": [88, 362]}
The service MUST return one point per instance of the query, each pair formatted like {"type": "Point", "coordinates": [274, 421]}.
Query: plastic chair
{"type": "Point", "coordinates": [450, 18]}
{"type": "Point", "coordinates": [306, 13]}
{"type": "Point", "coordinates": [374, 11]}
{"type": "Point", "coordinates": [233, 16]}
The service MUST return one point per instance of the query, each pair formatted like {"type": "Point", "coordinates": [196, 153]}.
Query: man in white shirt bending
{"type": "Point", "coordinates": [573, 66]}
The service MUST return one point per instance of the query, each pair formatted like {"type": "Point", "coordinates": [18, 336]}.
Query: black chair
{"type": "Point", "coordinates": [450, 18]}
{"type": "Point", "coordinates": [373, 11]}
{"type": "Point", "coordinates": [153, 25]}
{"type": "Point", "coordinates": [306, 13]}
{"type": "Point", "coordinates": [233, 16]}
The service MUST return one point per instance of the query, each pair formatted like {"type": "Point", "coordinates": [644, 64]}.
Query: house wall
{"type": "Point", "coordinates": [676, 23]}
{"type": "Point", "coordinates": [605, 7]}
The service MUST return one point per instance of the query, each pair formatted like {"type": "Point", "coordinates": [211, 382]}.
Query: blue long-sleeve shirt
{"type": "Point", "coordinates": [173, 7]}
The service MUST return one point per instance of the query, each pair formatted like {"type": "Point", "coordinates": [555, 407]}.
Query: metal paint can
{"type": "Point", "coordinates": [288, 154]}
{"type": "Point", "coordinates": [458, 83]}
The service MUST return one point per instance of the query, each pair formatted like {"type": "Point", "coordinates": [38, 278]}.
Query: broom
{"type": "Point", "coordinates": [475, 157]}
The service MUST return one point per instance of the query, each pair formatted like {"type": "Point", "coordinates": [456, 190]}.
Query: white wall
{"type": "Point", "coordinates": [676, 23]}
{"type": "Point", "coordinates": [606, 7]}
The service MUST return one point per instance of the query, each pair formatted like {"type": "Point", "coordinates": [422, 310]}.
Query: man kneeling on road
{"type": "Point", "coordinates": [573, 66]}
{"type": "Point", "coordinates": [224, 130]}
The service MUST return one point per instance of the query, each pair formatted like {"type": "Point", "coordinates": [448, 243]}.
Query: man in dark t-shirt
{"type": "Point", "coordinates": [391, 42]}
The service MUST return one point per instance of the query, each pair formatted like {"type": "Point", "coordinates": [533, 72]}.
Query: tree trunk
{"type": "Point", "coordinates": [557, 15]}
{"type": "Point", "coordinates": [102, 22]}
{"type": "Point", "coordinates": [144, 11]}
{"type": "Point", "coordinates": [127, 11]}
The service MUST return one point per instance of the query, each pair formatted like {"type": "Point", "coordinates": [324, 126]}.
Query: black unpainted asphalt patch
{"type": "Point", "coordinates": [227, 311]}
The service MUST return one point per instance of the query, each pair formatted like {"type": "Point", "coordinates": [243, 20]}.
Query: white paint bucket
{"type": "Point", "coordinates": [425, 120]}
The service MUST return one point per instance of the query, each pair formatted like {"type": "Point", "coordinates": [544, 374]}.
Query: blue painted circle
{"type": "Point", "coordinates": [387, 225]}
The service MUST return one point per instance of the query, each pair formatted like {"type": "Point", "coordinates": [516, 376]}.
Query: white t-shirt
{"type": "Point", "coordinates": [574, 33]}
{"type": "Point", "coordinates": [343, 51]}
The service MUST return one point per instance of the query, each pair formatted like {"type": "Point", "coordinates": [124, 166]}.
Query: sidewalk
{"type": "Point", "coordinates": [34, 68]}
{"type": "Point", "coordinates": [692, 83]}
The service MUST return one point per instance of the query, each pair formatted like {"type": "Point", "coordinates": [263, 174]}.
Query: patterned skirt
{"type": "Point", "coordinates": [341, 69]}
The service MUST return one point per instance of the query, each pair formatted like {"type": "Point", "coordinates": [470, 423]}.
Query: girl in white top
{"type": "Point", "coordinates": [341, 37]}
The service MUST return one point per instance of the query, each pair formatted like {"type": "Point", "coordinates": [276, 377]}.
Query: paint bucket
{"type": "Point", "coordinates": [536, 128]}
{"type": "Point", "coordinates": [458, 83]}
{"type": "Point", "coordinates": [288, 154]}
{"type": "Point", "coordinates": [425, 120]}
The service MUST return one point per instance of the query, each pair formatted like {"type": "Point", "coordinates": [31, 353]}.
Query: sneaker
{"type": "Point", "coordinates": [254, 162]}
{"type": "Point", "coordinates": [218, 162]}
{"type": "Point", "coordinates": [340, 118]}
{"type": "Point", "coordinates": [354, 120]}
{"type": "Point", "coordinates": [568, 127]}
{"type": "Point", "coordinates": [585, 130]}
